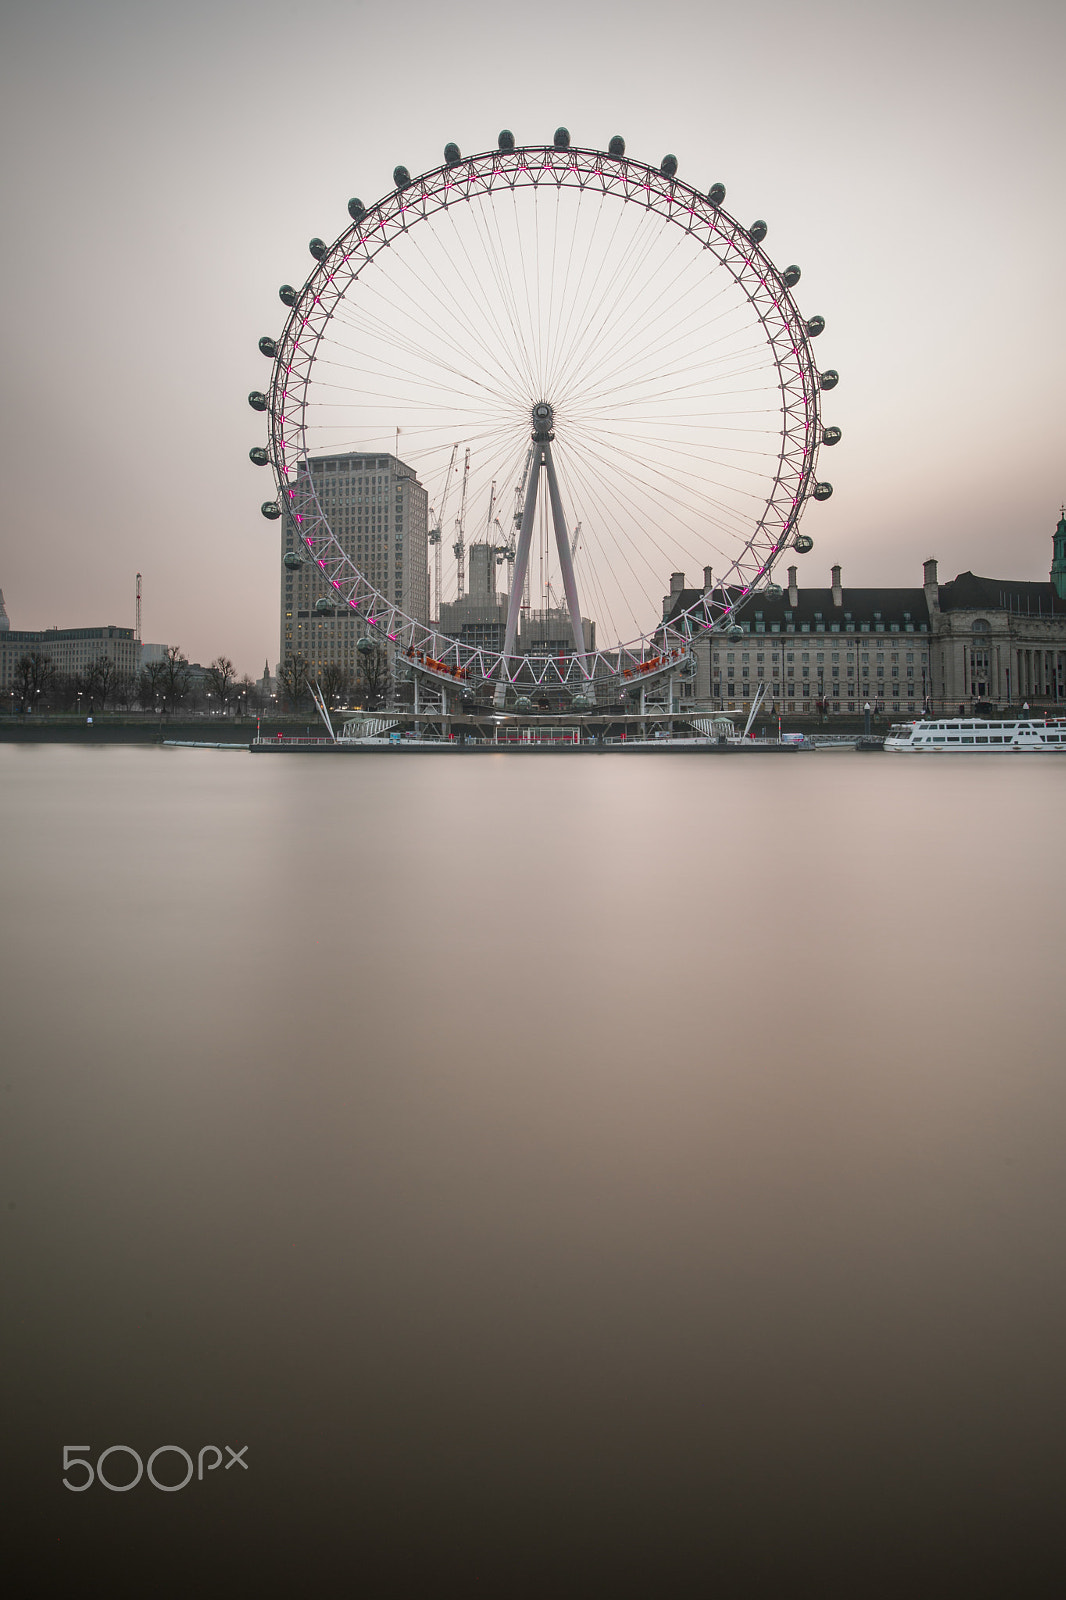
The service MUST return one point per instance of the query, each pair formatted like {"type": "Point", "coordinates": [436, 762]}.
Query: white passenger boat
{"type": "Point", "coordinates": [970, 734]}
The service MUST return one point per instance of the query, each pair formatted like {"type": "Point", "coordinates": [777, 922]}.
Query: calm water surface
{"type": "Point", "coordinates": [568, 1176]}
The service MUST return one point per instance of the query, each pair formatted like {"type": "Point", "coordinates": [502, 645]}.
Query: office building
{"type": "Point", "coordinates": [378, 512]}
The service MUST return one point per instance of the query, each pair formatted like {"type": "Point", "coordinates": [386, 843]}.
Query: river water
{"type": "Point", "coordinates": [568, 1175]}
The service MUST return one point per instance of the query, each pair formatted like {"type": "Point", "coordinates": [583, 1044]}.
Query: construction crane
{"type": "Point", "coordinates": [434, 532]}
{"type": "Point", "coordinates": [574, 540]}
{"type": "Point", "coordinates": [505, 550]}
{"type": "Point", "coordinates": [519, 507]}
{"type": "Point", "coordinates": [459, 547]}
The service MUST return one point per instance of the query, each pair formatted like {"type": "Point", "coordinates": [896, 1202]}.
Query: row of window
{"type": "Point", "coordinates": [805, 672]}
{"type": "Point", "coordinates": [818, 655]}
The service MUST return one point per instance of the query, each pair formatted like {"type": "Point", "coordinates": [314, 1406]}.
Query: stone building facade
{"type": "Point", "coordinates": [970, 646]}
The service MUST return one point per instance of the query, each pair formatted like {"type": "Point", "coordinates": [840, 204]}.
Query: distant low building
{"type": "Point", "coordinates": [69, 649]}
{"type": "Point", "coordinates": [970, 645]}
{"type": "Point", "coordinates": [479, 619]}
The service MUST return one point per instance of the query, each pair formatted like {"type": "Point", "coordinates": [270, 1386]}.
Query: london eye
{"type": "Point", "coordinates": [624, 372]}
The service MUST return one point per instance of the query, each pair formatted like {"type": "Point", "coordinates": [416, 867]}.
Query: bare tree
{"type": "Point", "coordinates": [374, 681]}
{"type": "Point", "coordinates": [64, 691]}
{"type": "Point", "coordinates": [221, 675]}
{"type": "Point", "coordinates": [98, 681]}
{"type": "Point", "coordinates": [174, 677]}
{"type": "Point", "coordinates": [124, 692]}
{"type": "Point", "coordinates": [35, 675]}
{"type": "Point", "coordinates": [336, 684]}
{"type": "Point", "coordinates": [246, 694]}
{"type": "Point", "coordinates": [148, 684]}
{"type": "Point", "coordinates": [292, 680]}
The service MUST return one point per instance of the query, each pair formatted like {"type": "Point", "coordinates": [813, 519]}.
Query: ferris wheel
{"type": "Point", "coordinates": [621, 367]}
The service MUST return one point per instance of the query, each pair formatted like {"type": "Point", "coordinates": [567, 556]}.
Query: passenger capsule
{"type": "Point", "coordinates": [356, 210]}
{"type": "Point", "coordinates": [452, 154]}
{"type": "Point", "coordinates": [257, 400]}
{"type": "Point", "coordinates": [668, 166]}
{"type": "Point", "coordinates": [822, 491]}
{"type": "Point", "coordinates": [757, 232]}
{"type": "Point", "coordinates": [365, 646]}
{"type": "Point", "coordinates": [287, 294]}
{"type": "Point", "coordinates": [815, 326]}
{"type": "Point", "coordinates": [323, 604]}
{"type": "Point", "coordinates": [773, 591]}
{"type": "Point", "coordinates": [401, 177]}
{"type": "Point", "coordinates": [268, 346]}
{"type": "Point", "coordinates": [581, 702]}
{"type": "Point", "coordinates": [716, 193]}
{"type": "Point", "coordinates": [828, 380]}
{"type": "Point", "coordinates": [561, 139]}
{"type": "Point", "coordinates": [523, 703]}
{"type": "Point", "coordinates": [831, 435]}
{"type": "Point", "coordinates": [736, 631]}
{"type": "Point", "coordinates": [292, 560]}
{"type": "Point", "coordinates": [318, 248]}
{"type": "Point", "coordinates": [790, 277]}
{"type": "Point", "coordinates": [505, 139]}
{"type": "Point", "coordinates": [271, 510]}
{"type": "Point", "coordinates": [803, 544]}
{"type": "Point", "coordinates": [259, 456]}
{"type": "Point", "coordinates": [617, 146]}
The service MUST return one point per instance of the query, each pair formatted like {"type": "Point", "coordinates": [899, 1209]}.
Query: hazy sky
{"type": "Point", "coordinates": [164, 167]}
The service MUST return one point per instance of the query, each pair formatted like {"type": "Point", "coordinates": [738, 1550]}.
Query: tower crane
{"type": "Point", "coordinates": [459, 547]}
{"type": "Point", "coordinates": [434, 532]}
{"type": "Point", "coordinates": [505, 550]}
{"type": "Point", "coordinates": [519, 507]}
{"type": "Point", "coordinates": [574, 540]}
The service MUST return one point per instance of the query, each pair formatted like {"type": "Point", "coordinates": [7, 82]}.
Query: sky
{"type": "Point", "coordinates": [164, 167]}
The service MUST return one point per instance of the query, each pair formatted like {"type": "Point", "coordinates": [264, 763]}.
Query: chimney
{"type": "Point", "coordinates": [677, 582]}
{"type": "Point", "coordinates": [793, 588]}
{"type": "Point", "coordinates": [838, 593]}
{"type": "Point", "coordinates": [708, 580]}
{"type": "Point", "coordinates": [932, 588]}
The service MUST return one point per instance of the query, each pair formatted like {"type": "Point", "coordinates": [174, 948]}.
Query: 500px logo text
{"type": "Point", "coordinates": [76, 1456]}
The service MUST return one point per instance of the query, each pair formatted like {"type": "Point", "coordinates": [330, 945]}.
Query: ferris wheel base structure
{"type": "Point", "coordinates": [761, 517]}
